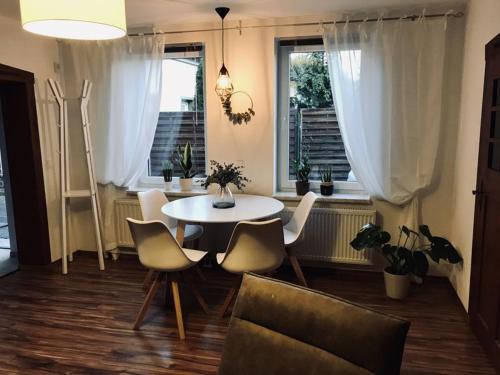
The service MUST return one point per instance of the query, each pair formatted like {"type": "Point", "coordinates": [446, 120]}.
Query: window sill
{"type": "Point", "coordinates": [346, 198]}
{"type": "Point", "coordinates": [174, 192]}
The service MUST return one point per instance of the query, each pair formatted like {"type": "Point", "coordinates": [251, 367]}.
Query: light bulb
{"type": "Point", "coordinates": [224, 86]}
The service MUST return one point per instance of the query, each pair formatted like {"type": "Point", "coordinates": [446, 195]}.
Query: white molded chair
{"type": "Point", "coordinates": [151, 203]}
{"type": "Point", "coordinates": [159, 251]}
{"type": "Point", "coordinates": [294, 231]}
{"type": "Point", "coordinates": [256, 247]}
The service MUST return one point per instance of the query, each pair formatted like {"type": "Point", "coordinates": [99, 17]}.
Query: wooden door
{"type": "Point", "coordinates": [484, 308]}
{"type": "Point", "coordinates": [20, 128]}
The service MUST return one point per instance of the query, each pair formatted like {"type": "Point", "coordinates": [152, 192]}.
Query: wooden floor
{"type": "Point", "coordinates": [81, 323]}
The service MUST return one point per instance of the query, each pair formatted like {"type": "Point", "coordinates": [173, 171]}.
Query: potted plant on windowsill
{"type": "Point", "coordinates": [223, 175]}
{"type": "Point", "coordinates": [184, 159]}
{"type": "Point", "coordinates": [167, 171]}
{"type": "Point", "coordinates": [302, 170]}
{"type": "Point", "coordinates": [405, 258]}
{"type": "Point", "coordinates": [326, 186]}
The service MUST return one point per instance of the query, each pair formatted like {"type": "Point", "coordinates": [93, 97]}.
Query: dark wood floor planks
{"type": "Point", "coordinates": [81, 323]}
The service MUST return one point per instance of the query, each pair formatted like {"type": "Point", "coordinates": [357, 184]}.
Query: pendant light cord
{"type": "Point", "coordinates": [223, 42]}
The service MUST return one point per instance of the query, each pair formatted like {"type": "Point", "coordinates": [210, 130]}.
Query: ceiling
{"type": "Point", "coordinates": [164, 12]}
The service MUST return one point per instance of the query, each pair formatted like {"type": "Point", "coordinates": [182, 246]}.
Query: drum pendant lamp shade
{"type": "Point", "coordinates": [75, 19]}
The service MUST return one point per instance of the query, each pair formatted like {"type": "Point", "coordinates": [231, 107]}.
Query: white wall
{"type": "Point", "coordinates": [482, 25]}
{"type": "Point", "coordinates": [26, 51]}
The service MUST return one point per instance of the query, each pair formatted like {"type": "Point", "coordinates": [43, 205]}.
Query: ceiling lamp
{"type": "Point", "coordinates": [224, 87]}
{"type": "Point", "coordinates": [75, 19]}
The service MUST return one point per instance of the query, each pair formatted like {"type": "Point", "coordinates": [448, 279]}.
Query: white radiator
{"type": "Point", "coordinates": [125, 208]}
{"type": "Point", "coordinates": [328, 231]}
{"type": "Point", "coordinates": [328, 234]}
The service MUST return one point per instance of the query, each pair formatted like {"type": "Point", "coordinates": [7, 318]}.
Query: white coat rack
{"type": "Point", "coordinates": [66, 192]}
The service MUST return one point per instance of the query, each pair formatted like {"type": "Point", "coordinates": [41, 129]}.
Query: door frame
{"type": "Point", "coordinates": [493, 47]}
{"type": "Point", "coordinates": [25, 166]}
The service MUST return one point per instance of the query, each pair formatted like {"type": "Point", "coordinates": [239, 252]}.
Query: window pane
{"type": "Point", "coordinates": [313, 126]}
{"type": "Point", "coordinates": [494, 156]}
{"type": "Point", "coordinates": [181, 114]}
{"type": "Point", "coordinates": [495, 125]}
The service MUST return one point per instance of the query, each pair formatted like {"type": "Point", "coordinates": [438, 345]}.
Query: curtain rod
{"type": "Point", "coordinates": [412, 17]}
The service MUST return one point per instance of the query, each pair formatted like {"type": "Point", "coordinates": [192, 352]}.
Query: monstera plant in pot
{"type": "Point", "coordinates": [406, 257]}
{"type": "Point", "coordinates": [302, 170]}
{"type": "Point", "coordinates": [184, 159]}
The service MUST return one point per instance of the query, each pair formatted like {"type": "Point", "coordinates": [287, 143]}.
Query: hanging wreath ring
{"type": "Point", "coordinates": [238, 117]}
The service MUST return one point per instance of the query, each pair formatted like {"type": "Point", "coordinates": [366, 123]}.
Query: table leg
{"type": "Point", "coordinates": [179, 236]}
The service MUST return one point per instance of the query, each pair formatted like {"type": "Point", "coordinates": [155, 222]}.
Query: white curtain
{"type": "Point", "coordinates": [387, 80]}
{"type": "Point", "coordinates": [125, 101]}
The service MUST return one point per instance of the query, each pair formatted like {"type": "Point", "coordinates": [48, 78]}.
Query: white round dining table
{"type": "Point", "coordinates": [199, 209]}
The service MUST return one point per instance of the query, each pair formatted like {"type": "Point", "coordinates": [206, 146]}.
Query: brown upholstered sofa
{"type": "Point", "coordinates": [284, 329]}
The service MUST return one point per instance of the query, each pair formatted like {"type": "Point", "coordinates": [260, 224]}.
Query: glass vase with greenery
{"type": "Point", "coordinates": [223, 175]}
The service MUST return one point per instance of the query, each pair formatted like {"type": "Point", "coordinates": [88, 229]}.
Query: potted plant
{"type": "Point", "coordinates": [224, 174]}
{"type": "Point", "coordinates": [184, 159]}
{"type": "Point", "coordinates": [167, 171]}
{"type": "Point", "coordinates": [326, 186]}
{"type": "Point", "coordinates": [405, 258]}
{"type": "Point", "coordinates": [302, 170]}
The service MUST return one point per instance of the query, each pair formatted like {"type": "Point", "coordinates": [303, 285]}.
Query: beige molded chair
{"type": "Point", "coordinates": [159, 251]}
{"type": "Point", "coordinates": [294, 231]}
{"type": "Point", "coordinates": [254, 247]}
{"type": "Point", "coordinates": [152, 201]}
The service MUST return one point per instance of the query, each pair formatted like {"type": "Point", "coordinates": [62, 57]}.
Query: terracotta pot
{"type": "Point", "coordinates": [396, 286]}
{"type": "Point", "coordinates": [186, 184]}
{"type": "Point", "coordinates": [168, 185]}
{"type": "Point", "coordinates": [302, 187]}
{"type": "Point", "coordinates": [326, 188]}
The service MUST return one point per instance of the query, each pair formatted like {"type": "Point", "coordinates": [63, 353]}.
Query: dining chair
{"type": "Point", "coordinates": [152, 201]}
{"type": "Point", "coordinates": [280, 328]}
{"type": "Point", "coordinates": [293, 232]}
{"type": "Point", "coordinates": [256, 247]}
{"type": "Point", "coordinates": [159, 251]}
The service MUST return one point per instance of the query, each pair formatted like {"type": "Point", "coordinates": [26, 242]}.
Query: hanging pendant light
{"type": "Point", "coordinates": [75, 19]}
{"type": "Point", "coordinates": [224, 87]}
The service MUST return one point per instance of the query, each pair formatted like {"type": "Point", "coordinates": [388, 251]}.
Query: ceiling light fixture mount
{"type": "Point", "coordinates": [224, 86]}
{"type": "Point", "coordinates": [77, 19]}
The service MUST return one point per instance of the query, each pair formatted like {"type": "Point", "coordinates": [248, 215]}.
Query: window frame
{"type": "Point", "coordinates": [179, 51]}
{"type": "Point", "coordinates": [284, 47]}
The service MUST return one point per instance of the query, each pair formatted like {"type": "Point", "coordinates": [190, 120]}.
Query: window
{"type": "Point", "coordinates": [307, 122]}
{"type": "Point", "coordinates": [181, 116]}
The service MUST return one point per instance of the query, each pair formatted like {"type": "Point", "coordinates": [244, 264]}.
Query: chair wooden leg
{"type": "Point", "coordinates": [178, 308]}
{"type": "Point", "coordinates": [148, 279]}
{"type": "Point", "coordinates": [147, 301]}
{"type": "Point", "coordinates": [229, 298]}
{"type": "Point", "coordinates": [198, 296]}
{"type": "Point", "coordinates": [298, 271]}
{"type": "Point", "coordinates": [200, 274]}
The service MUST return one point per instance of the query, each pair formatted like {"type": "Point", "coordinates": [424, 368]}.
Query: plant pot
{"type": "Point", "coordinates": [223, 198]}
{"type": "Point", "coordinates": [168, 185]}
{"type": "Point", "coordinates": [186, 184]}
{"type": "Point", "coordinates": [302, 187]}
{"type": "Point", "coordinates": [326, 188]}
{"type": "Point", "coordinates": [396, 286]}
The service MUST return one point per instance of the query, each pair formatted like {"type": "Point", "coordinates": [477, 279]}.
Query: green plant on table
{"type": "Point", "coordinates": [405, 257]}
{"type": "Point", "coordinates": [223, 174]}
